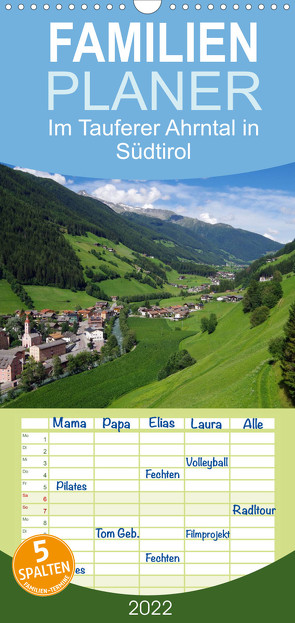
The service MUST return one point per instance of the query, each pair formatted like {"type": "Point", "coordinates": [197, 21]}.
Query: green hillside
{"type": "Point", "coordinates": [283, 260]}
{"type": "Point", "coordinates": [9, 302]}
{"type": "Point", "coordinates": [83, 247]}
{"type": "Point", "coordinates": [174, 238]}
{"type": "Point", "coordinates": [36, 213]}
{"type": "Point", "coordinates": [49, 297]}
{"type": "Point", "coordinates": [119, 287]}
{"type": "Point", "coordinates": [237, 243]}
{"type": "Point", "coordinates": [232, 368]}
{"type": "Point", "coordinates": [57, 298]}
{"type": "Point", "coordinates": [157, 340]}
{"type": "Point", "coordinates": [48, 232]}
{"type": "Point", "coordinates": [32, 246]}
{"type": "Point", "coordinates": [284, 263]}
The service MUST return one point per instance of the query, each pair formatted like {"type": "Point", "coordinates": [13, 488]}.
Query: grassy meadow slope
{"type": "Point", "coordinates": [83, 245]}
{"type": "Point", "coordinates": [232, 368]}
{"type": "Point", "coordinates": [48, 297]}
{"type": "Point", "coordinates": [9, 302]}
{"type": "Point", "coordinates": [157, 340]}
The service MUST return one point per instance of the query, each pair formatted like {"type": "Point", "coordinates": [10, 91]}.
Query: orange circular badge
{"type": "Point", "coordinates": [43, 565]}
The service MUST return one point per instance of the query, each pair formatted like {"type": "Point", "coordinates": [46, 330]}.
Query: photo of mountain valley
{"type": "Point", "coordinates": [147, 294]}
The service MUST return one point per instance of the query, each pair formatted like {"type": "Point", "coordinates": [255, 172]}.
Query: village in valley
{"type": "Point", "coordinates": [49, 341]}
{"type": "Point", "coordinates": [109, 298]}
{"type": "Point", "coordinates": [38, 347]}
{"type": "Point", "coordinates": [48, 335]}
{"type": "Point", "coordinates": [179, 312]}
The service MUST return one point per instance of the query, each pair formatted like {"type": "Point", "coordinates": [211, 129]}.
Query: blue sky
{"type": "Point", "coordinates": [262, 201]}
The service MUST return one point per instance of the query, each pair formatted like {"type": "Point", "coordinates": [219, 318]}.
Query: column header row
{"type": "Point", "coordinates": [121, 425]}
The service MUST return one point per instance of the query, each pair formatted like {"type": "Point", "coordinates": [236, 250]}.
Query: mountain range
{"type": "Point", "coordinates": [229, 243]}
{"type": "Point", "coordinates": [38, 215]}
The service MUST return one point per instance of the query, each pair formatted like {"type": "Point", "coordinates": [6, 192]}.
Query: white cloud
{"type": "Point", "coordinates": [52, 176]}
{"type": "Point", "coordinates": [271, 233]}
{"type": "Point", "coordinates": [205, 216]}
{"type": "Point", "coordinates": [141, 196]}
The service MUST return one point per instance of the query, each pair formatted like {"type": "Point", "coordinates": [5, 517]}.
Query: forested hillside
{"type": "Point", "coordinates": [283, 261]}
{"type": "Point", "coordinates": [215, 240]}
{"type": "Point", "coordinates": [238, 243]}
{"type": "Point", "coordinates": [39, 215]}
{"type": "Point", "coordinates": [36, 213]}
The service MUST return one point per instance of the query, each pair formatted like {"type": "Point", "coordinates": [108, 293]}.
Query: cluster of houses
{"type": "Point", "coordinates": [174, 312]}
{"type": "Point", "coordinates": [105, 247]}
{"type": "Point", "coordinates": [222, 274]}
{"type": "Point", "coordinates": [191, 289]}
{"type": "Point", "coordinates": [214, 281]}
{"type": "Point", "coordinates": [179, 312]}
{"type": "Point", "coordinates": [266, 278]}
{"type": "Point", "coordinates": [90, 337]}
{"type": "Point", "coordinates": [90, 334]}
{"type": "Point", "coordinates": [228, 298]}
{"type": "Point", "coordinates": [231, 298]}
{"type": "Point", "coordinates": [196, 289]}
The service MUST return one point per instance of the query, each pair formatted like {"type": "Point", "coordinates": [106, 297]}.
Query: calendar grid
{"type": "Point", "coordinates": [139, 515]}
{"type": "Point", "coordinates": [141, 481]}
{"type": "Point", "coordinates": [93, 510]}
{"type": "Point", "coordinates": [229, 508]}
{"type": "Point", "coordinates": [184, 514]}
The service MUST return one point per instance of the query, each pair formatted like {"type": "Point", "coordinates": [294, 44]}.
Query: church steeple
{"type": "Point", "coordinates": [27, 326]}
{"type": "Point", "coordinates": [30, 339]}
